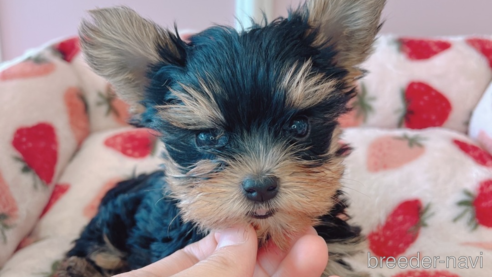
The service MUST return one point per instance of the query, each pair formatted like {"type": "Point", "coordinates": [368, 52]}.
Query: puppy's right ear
{"type": "Point", "coordinates": [120, 46]}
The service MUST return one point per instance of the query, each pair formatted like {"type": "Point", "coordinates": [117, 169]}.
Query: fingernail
{"type": "Point", "coordinates": [230, 236]}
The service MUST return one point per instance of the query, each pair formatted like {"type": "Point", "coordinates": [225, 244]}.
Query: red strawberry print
{"type": "Point", "coordinates": [483, 46]}
{"type": "Point", "coordinates": [91, 209]}
{"type": "Point", "coordinates": [476, 153]}
{"type": "Point", "coordinates": [390, 152]}
{"type": "Point", "coordinates": [137, 143]}
{"type": "Point", "coordinates": [58, 191]}
{"type": "Point", "coordinates": [114, 105]}
{"type": "Point", "coordinates": [32, 67]}
{"type": "Point", "coordinates": [77, 114]}
{"type": "Point", "coordinates": [9, 211]}
{"type": "Point", "coordinates": [424, 107]}
{"type": "Point", "coordinates": [38, 147]}
{"type": "Point", "coordinates": [426, 273]}
{"type": "Point", "coordinates": [68, 49]}
{"type": "Point", "coordinates": [483, 204]}
{"type": "Point", "coordinates": [479, 206]}
{"type": "Point", "coordinates": [422, 49]}
{"type": "Point", "coordinates": [401, 229]}
{"type": "Point", "coordinates": [360, 109]}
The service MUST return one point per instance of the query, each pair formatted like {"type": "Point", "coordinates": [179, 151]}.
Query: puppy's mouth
{"type": "Point", "coordinates": [262, 213]}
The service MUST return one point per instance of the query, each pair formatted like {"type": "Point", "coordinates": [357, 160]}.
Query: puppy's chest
{"type": "Point", "coordinates": [159, 230]}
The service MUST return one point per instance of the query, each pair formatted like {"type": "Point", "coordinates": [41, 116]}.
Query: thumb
{"type": "Point", "coordinates": [234, 256]}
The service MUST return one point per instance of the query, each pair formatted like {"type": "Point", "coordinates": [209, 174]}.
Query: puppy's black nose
{"type": "Point", "coordinates": [260, 189]}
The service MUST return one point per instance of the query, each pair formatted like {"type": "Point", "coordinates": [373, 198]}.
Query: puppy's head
{"type": "Point", "coordinates": [249, 118]}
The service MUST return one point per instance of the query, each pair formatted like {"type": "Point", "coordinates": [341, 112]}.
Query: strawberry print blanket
{"type": "Point", "coordinates": [419, 178]}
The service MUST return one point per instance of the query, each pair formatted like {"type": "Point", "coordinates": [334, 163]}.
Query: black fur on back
{"type": "Point", "coordinates": [141, 223]}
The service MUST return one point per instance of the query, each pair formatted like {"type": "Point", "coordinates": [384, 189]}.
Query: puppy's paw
{"type": "Point", "coordinates": [77, 267]}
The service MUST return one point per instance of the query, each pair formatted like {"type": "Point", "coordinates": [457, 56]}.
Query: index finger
{"type": "Point", "coordinates": [270, 256]}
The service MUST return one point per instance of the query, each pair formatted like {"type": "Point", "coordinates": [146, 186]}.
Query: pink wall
{"type": "Point", "coordinates": [427, 17]}
{"type": "Point", "coordinates": [29, 23]}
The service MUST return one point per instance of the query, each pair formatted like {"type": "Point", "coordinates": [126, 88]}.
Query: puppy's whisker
{"type": "Point", "coordinates": [356, 190]}
{"type": "Point", "coordinates": [171, 222]}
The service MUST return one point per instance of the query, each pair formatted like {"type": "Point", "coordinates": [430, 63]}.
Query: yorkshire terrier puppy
{"type": "Point", "coordinates": [249, 123]}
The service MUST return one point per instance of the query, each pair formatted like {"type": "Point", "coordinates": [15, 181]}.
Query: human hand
{"type": "Point", "coordinates": [234, 253]}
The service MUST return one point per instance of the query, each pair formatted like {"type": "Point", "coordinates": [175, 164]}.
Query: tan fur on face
{"type": "Point", "coordinates": [119, 45]}
{"type": "Point", "coordinates": [304, 88]}
{"type": "Point", "coordinates": [348, 25]}
{"type": "Point", "coordinates": [214, 200]}
{"type": "Point", "coordinates": [198, 110]}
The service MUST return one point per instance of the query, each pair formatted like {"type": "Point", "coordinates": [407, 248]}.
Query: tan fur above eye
{"type": "Point", "coordinates": [198, 109]}
{"type": "Point", "coordinates": [305, 89]}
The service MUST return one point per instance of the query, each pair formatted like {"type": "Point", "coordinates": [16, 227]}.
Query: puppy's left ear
{"type": "Point", "coordinates": [120, 46]}
{"type": "Point", "coordinates": [349, 26]}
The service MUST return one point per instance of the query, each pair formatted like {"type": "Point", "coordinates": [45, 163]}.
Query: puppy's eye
{"type": "Point", "coordinates": [211, 139]}
{"type": "Point", "coordinates": [299, 127]}
{"type": "Point", "coordinates": [172, 99]}
{"type": "Point", "coordinates": [175, 102]}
